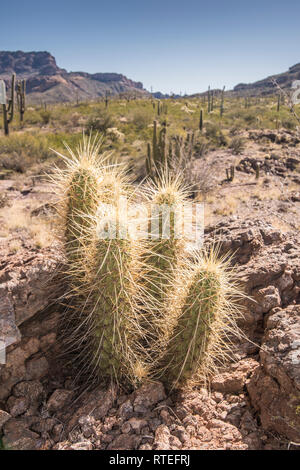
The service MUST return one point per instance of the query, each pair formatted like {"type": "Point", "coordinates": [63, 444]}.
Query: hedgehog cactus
{"type": "Point", "coordinates": [111, 326]}
{"type": "Point", "coordinates": [200, 313]}
{"type": "Point", "coordinates": [79, 188]}
{"type": "Point", "coordinates": [81, 200]}
{"type": "Point", "coordinates": [100, 326]}
{"type": "Point", "coordinates": [164, 248]}
{"type": "Point", "coordinates": [137, 308]}
{"type": "Point", "coordinates": [163, 253]}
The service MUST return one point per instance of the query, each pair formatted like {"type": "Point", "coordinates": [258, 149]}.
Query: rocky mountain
{"type": "Point", "coordinates": [265, 86]}
{"type": "Point", "coordinates": [50, 83]}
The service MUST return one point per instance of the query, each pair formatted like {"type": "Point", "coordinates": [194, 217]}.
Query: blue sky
{"type": "Point", "coordinates": [169, 45]}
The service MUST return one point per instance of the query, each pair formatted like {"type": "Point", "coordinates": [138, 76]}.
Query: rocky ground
{"type": "Point", "coordinates": [253, 403]}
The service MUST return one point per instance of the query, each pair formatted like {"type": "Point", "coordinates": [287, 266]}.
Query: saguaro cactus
{"type": "Point", "coordinates": [157, 159]}
{"type": "Point", "coordinates": [8, 110]}
{"type": "Point", "coordinates": [106, 98]}
{"type": "Point", "coordinates": [230, 173]}
{"type": "Point", "coordinates": [208, 100]}
{"type": "Point", "coordinates": [278, 103]}
{"type": "Point", "coordinates": [21, 94]}
{"type": "Point", "coordinates": [222, 102]}
{"type": "Point", "coordinates": [201, 120]}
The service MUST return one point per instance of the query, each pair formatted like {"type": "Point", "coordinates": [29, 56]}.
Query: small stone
{"type": "Point", "coordinates": [18, 437]}
{"type": "Point", "coordinates": [3, 418]}
{"type": "Point", "coordinates": [47, 341]}
{"type": "Point", "coordinates": [162, 438]}
{"type": "Point", "coordinates": [37, 368]}
{"type": "Point", "coordinates": [126, 410]}
{"type": "Point", "coordinates": [59, 399]}
{"type": "Point", "coordinates": [43, 425]}
{"type": "Point", "coordinates": [17, 406]}
{"type": "Point", "coordinates": [126, 428]}
{"type": "Point", "coordinates": [84, 445]}
{"type": "Point", "coordinates": [87, 424]}
{"type": "Point", "coordinates": [145, 447]}
{"type": "Point", "coordinates": [175, 442]}
{"type": "Point", "coordinates": [125, 442]}
{"type": "Point", "coordinates": [137, 424]}
{"type": "Point", "coordinates": [57, 432]}
{"type": "Point", "coordinates": [148, 395]}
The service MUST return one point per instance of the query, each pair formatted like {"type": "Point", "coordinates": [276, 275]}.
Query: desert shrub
{"type": "Point", "coordinates": [215, 134]}
{"type": "Point", "coordinates": [32, 117]}
{"type": "Point", "coordinates": [200, 148]}
{"type": "Point", "coordinates": [4, 200]}
{"type": "Point", "coordinates": [250, 118]}
{"type": "Point", "coordinates": [16, 162]}
{"type": "Point", "coordinates": [100, 123]}
{"type": "Point", "coordinates": [45, 116]}
{"type": "Point", "coordinates": [141, 118]}
{"type": "Point", "coordinates": [237, 145]}
{"type": "Point", "coordinates": [289, 124]}
{"type": "Point", "coordinates": [17, 149]}
{"type": "Point", "coordinates": [234, 130]}
{"type": "Point", "coordinates": [20, 151]}
{"type": "Point", "coordinates": [196, 174]}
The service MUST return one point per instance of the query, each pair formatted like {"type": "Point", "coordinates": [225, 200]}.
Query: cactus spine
{"type": "Point", "coordinates": [8, 110]}
{"type": "Point", "coordinates": [21, 94]}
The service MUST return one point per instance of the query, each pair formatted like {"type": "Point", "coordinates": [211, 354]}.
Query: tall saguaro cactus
{"type": "Point", "coordinates": [222, 102]}
{"type": "Point", "coordinates": [158, 157]}
{"type": "Point", "coordinates": [21, 93]}
{"type": "Point", "coordinates": [201, 120]}
{"type": "Point", "coordinates": [8, 110]}
{"type": "Point", "coordinates": [208, 100]}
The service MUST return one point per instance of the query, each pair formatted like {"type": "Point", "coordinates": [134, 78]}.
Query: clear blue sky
{"type": "Point", "coordinates": [170, 45]}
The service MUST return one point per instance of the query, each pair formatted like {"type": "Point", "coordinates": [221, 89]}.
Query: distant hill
{"type": "Point", "coordinates": [265, 86]}
{"type": "Point", "coordinates": [47, 82]}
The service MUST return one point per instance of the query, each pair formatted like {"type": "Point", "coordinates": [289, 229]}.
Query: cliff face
{"type": "Point", "coordinates": [50, 83]}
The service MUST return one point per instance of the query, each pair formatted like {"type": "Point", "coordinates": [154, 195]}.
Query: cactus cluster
{"type": "Point", "coordinates": [157, 155]}
{"type": "Point", "coordinates": [138, 308]}
{"type": "Point", "coordinates": [8, 109]}
{"type": "Point", "coordinates": [167, 153]}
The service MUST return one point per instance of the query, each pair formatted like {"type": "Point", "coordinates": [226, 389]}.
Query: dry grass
{"type": "Point", "coordinates": [227, 205]}
{"type": "Point", "coordinates": [18, 218]}
{"type": "Point", "coordinates": [268, 193]}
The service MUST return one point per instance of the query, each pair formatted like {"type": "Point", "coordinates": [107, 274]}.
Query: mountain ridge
{"type": "Point", "coordinates": [266, 86]}
{"type": "Point", "coordinates": [50, 83]}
